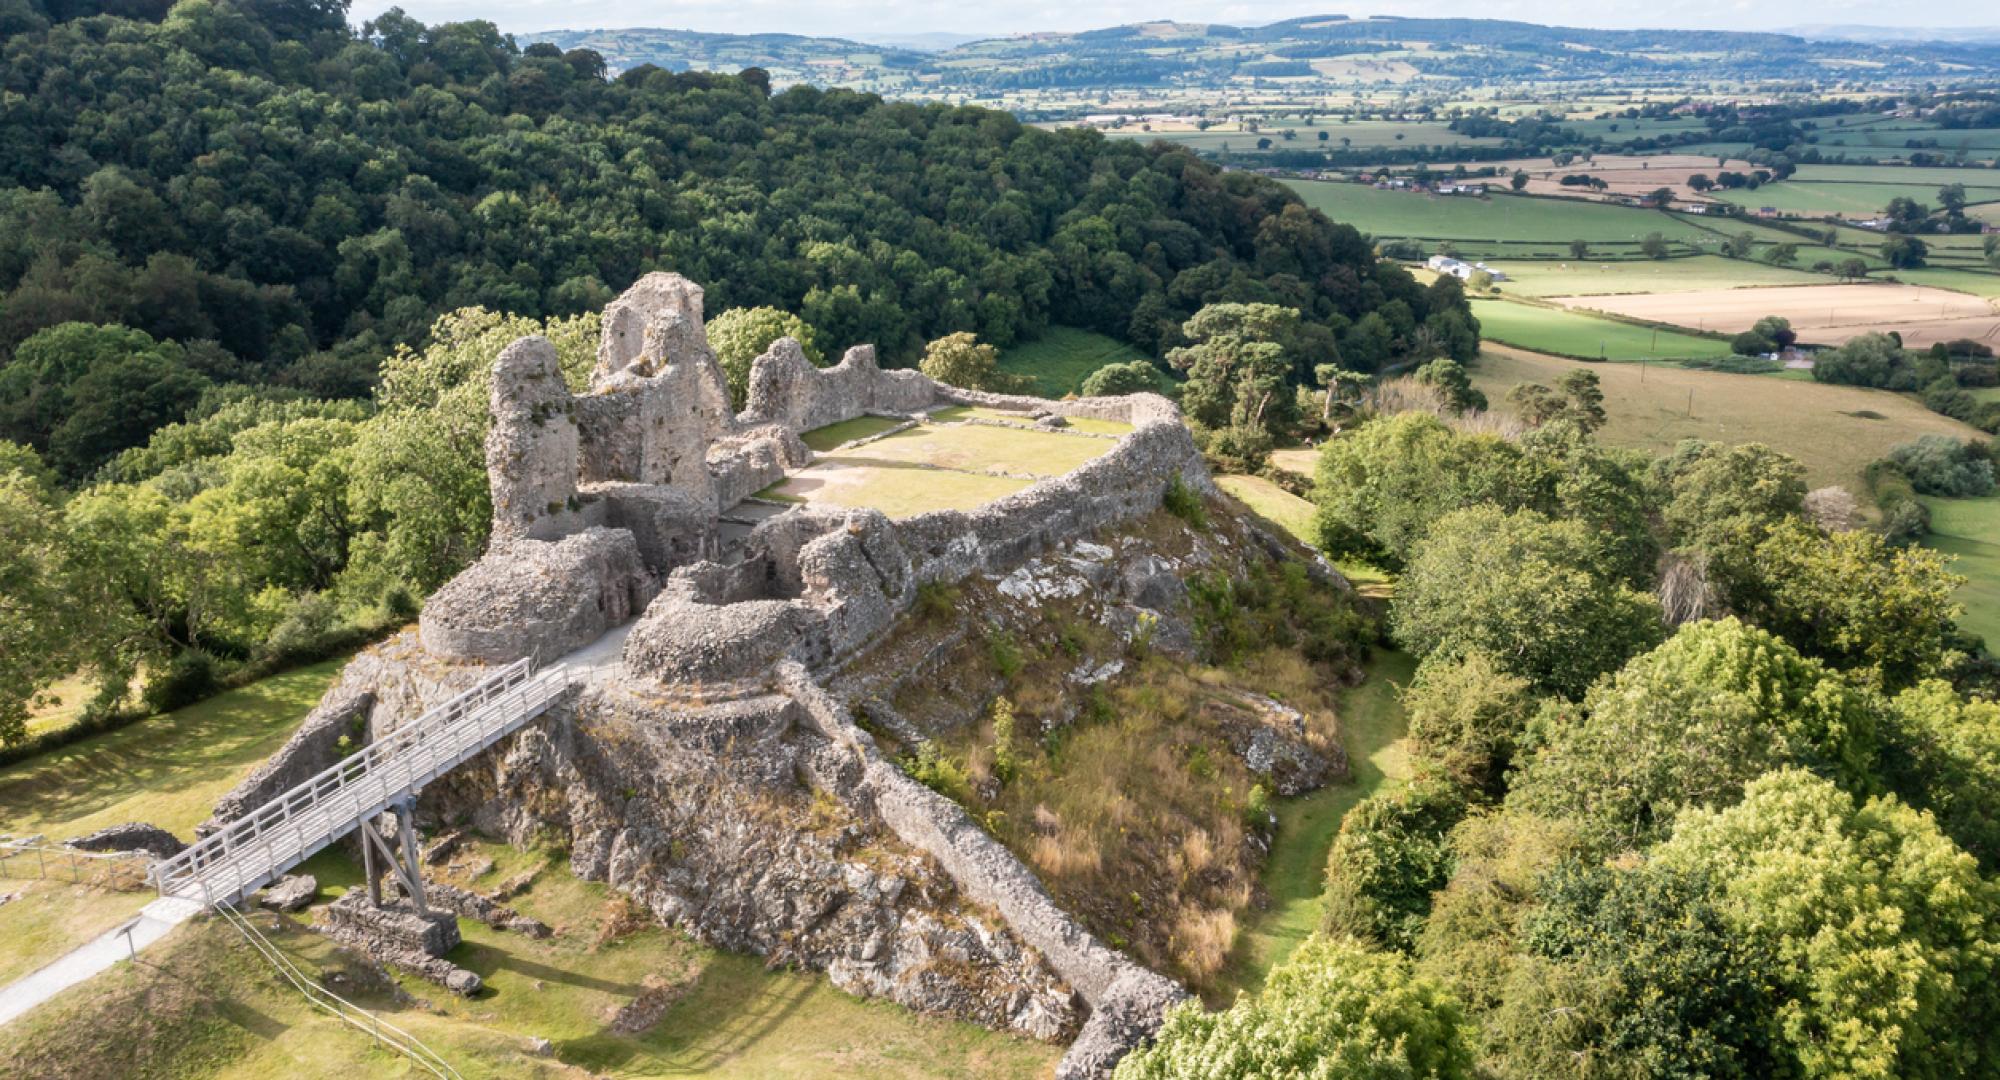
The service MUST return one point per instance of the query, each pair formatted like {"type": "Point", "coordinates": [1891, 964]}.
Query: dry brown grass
{"type": "Point", "coordinates": [1133, 812]}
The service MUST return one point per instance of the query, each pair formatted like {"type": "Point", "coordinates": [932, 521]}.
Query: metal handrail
{"type": "Point", "coordinates": [330, 803]}
{"type": "Point", "coordinates": [326, 1000]}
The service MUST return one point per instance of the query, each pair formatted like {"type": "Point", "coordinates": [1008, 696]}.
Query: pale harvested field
{"type": "Point", "coordinates": [1822, 314]}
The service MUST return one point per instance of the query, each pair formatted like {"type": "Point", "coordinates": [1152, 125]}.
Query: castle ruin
{"type": "Point", "coordinates": [627, 539]}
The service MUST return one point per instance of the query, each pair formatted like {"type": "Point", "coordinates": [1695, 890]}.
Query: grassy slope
{"type": "Point", "coordinates": [1372, 728]}
{"type": "Point", "coordinates": [1063, 357]}
{"type": "Point", "coordinates": [1268, 500]}
{"type": "Point", "coordinates": [49, 918]}
{"type": "Point", "coordinates": [167, 770]}
{"type": "Point", "coordinates": [1826, 427]}
{"type": "Point", "coordinates": [1575, 334]}
{"type": "Point", "coordinates": [826, 438]}
{"type": "Point", "coordinates": [1970, 529]}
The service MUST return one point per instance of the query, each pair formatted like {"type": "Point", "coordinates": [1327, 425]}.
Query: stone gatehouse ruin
{"type": "Point", "coordinates": [706, 627]}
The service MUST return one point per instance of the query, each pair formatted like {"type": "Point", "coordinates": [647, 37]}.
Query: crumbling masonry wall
{"type": "Point", "coordinates": [1127, 1000]}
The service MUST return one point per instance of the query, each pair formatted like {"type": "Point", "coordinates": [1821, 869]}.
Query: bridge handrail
{"type": "Point", "coordinates": [444, 730]}
{"type": "Point", "coordinates": [383, 1032]}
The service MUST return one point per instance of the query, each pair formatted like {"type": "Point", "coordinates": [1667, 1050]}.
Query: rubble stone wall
{"type": "Point", "coordinates": [786, 388]}
{"type": "Point", "coordinates": [1125, 483]}
{"type": "Point", "coordinates": [1130, 999]}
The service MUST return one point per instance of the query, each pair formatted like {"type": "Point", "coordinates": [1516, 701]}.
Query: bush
{"type": "Point", "coordinates": [1185, 503]}
{"type": "Point", "coordinates": [1332, 1009]}
{"type": "Point", "coordinates": [189, 677]}
{"type": "Point", "coordinates": [1942, 465]}
{"type": "Point", "coordinates": [1131, 377]}
{"type": "Point", "coordinates": [1392, 853]}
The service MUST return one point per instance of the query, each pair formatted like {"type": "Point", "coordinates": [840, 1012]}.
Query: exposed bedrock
{"type": "Point", "coordinates": [708, 816]}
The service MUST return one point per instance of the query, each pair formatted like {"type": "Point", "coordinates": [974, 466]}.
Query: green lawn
{"type": "Point", "coordinates": [46, 919]}
{"type": "Point", "coordinates": [1970, 529]}
{"type": "Point", "coordinates": [1569, 333]}
{"type": "Point", "coordinates": [983, 448]}
{"type": "Point", "coordinates": [836, 435]}
{"type": "Point", "coordinates": [167, 770]}
{"type": "Point", "coordinates": [1063, 357]}
{"type": "Point", "coordinates": [1499, 218]}
{"type": "Point", "coordinates": [1372, 728]}
{"type": "Point", "coordinates": [897, 490]}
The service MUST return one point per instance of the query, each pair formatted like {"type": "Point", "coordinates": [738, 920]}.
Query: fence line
{"type": "Point", "coordinates": [383, 1032]}
{"type": "Point", "coordinates": [119, 870]}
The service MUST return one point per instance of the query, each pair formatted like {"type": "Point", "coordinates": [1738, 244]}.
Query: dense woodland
{"type": "Point", "coordinates": [219, 221]}
{"type": "Point", "coordinates": [1704, 775]}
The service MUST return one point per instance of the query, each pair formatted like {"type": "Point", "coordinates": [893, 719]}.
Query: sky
{"type": "Point", "coordinates": [859, 19]}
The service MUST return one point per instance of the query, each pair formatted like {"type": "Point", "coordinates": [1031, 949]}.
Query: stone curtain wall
{"type": "Point", "coordinates": [1126, 483]}
{"type": "Point", "coordinates": [786, 389]}
{"type": "Point", "coordinates": [1127, 1001]}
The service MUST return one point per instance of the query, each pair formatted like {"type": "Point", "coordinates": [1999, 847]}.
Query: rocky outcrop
{"type": "Point", "coordinates": [536, 598]}
{"type": "Point", "coordinates": [134, 836]}
{"type": "Point", "coordinates": [341, 714]}
{"type": "Point", "coordinates": [703, 814]}
{"type": "Point", "coordinates": [292, 892]}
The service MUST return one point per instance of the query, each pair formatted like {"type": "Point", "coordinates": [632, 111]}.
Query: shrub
{"type": "Point", "coordinates": [1131, 377]}
{"type": "Point", "coordinates": [189, 677]}
{"type": "Point", "coordinates": [1332, 1009]}
{"type": "Point", "coordinates": [1185, 503]}
{"type": "Point", "coordinates": [1392, 853]}
{"type": "Point", "coordinates": [1942, 465]}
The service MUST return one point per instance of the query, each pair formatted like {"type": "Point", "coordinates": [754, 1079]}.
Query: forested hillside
{"type": "Point", "coordinates": [220, 220]}
{"type": "Point", "coordinates": [286, 200]}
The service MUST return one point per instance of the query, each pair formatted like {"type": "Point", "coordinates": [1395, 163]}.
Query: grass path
{"type": "Point", "coordinates": [1372, 729]}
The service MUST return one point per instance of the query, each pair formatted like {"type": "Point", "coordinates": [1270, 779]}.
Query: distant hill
{"type": "Point", "coordinates": [1982, 35]}
{"type": "Point", "coordinates": [1320, 49]}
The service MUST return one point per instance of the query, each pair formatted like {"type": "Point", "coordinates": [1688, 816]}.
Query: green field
{"type": "Point", "coordinates": [1970, 529]}
{"type": "Point", "coordinates": [1820, 197]}
{"type": "Point", "coordinates": [1477, 223]}
{"type": "Point", "coordinates": [1569, 333]}
{"type": "Point", "coordinates": [1596, 277]}
{"type": "Point", "coordinates": [1063, 357]}
{"type": "Point", "coordinates": [846, 431]}
{"type": "Point", "coordinates": [1978, 284]}
{"type": "Point", "coordinates": [1834, 431]}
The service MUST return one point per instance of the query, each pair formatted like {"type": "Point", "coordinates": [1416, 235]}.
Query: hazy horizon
{"type": "Point", "coordinates": [903, 18]}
